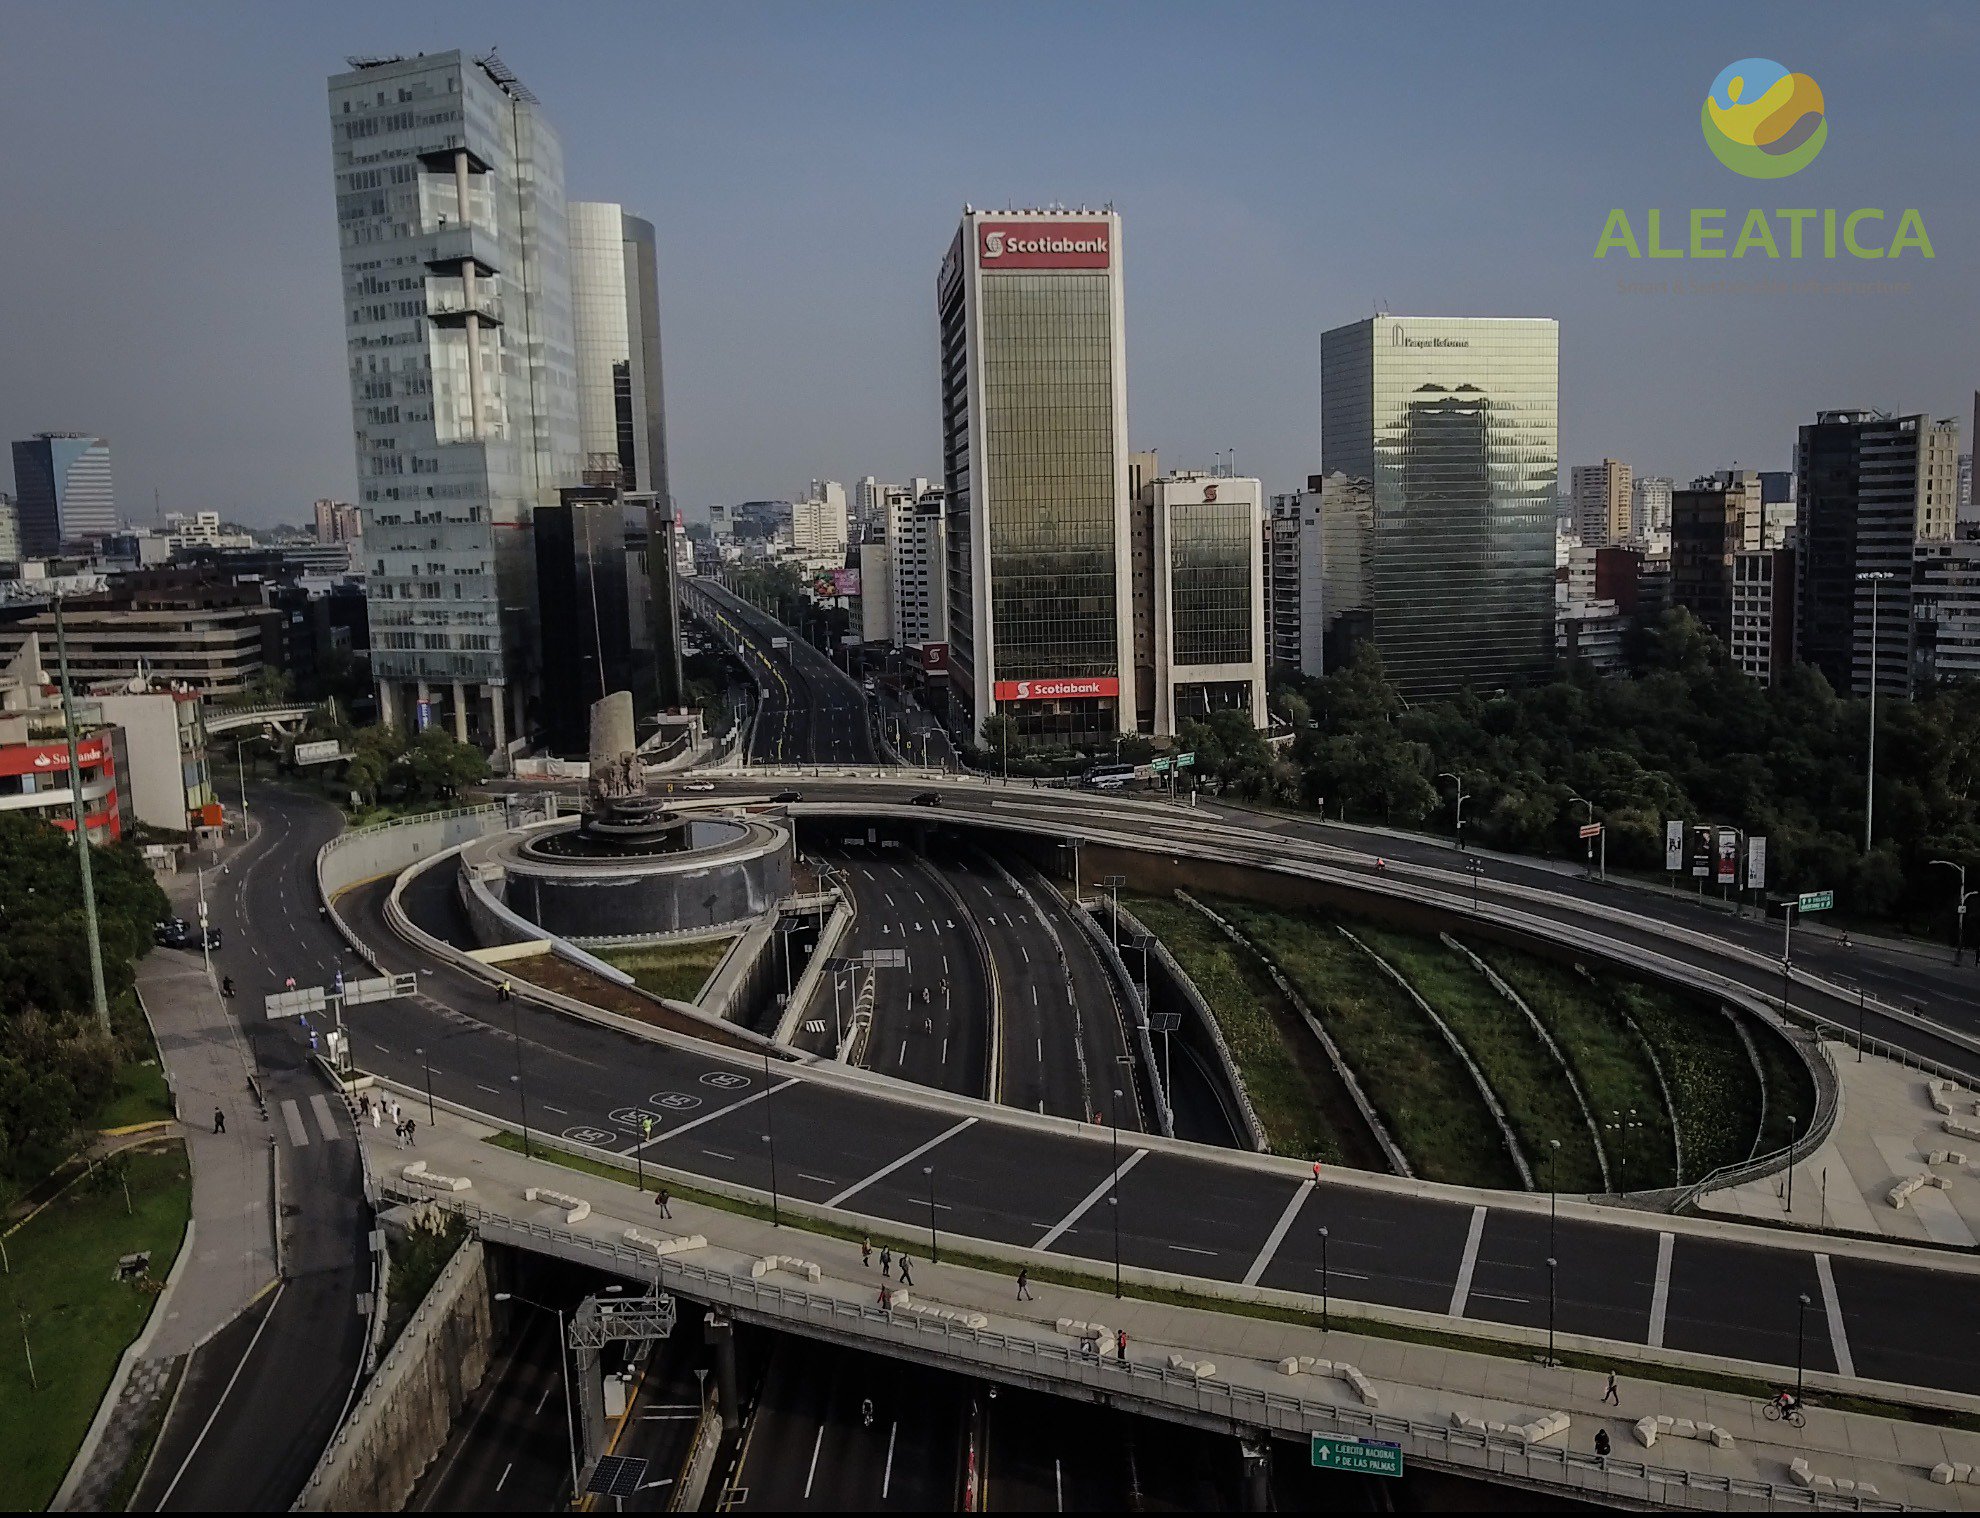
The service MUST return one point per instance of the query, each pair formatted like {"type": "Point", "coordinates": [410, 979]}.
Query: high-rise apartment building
{"type": "Point", "coordinates": [615, 319]}
{"type": "Point", "coordinates": [1292, 599]}
{"type": "Point", "coordinates": [63, 491]}
{"type": "Point", "coordinates": [820, 529]}
{"type": "Point", "coordinates": [1199, 588]}
{"type": "Point", "coordinates": [338, 522]}
{"type": "Point", "coordinates": [1946, 611]}
{"type": "Point", "coordinates": [1707, 530]}
{"type": "Point", "coordinates": [1454, 422]}
{"type": "Point", "coordinates": [1034, 429]}
{"type": "Point", "coordinates": [917, 558]}
{"type": "Point", "coordinates": [464, 393]}
{"type": "Point", "coordinates": [1762, 620]}
{"type": "Point", "coordinates": [1602, 503]}
{"type": "Point", "coordinates": [1870, 486]}
{"type": "Point", "coordinates": [10, 532]}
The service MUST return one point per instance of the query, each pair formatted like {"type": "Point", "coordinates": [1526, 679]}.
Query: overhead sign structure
{"type": "Point", "coordinates": [1365, 1457]}
{"type": "Point", "coordinates": [1816, 901]}
{"type": "Point", "coordinates": [1067, 687]}
{"type": "Point", "coordinates": [295, 1003]}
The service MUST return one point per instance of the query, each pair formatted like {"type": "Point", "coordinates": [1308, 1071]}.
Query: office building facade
{"type": "Point", "coordinates": [1033, 365]}
{"type": "Point", "coordinates": [1199, 589]}
{"type": "Point", "coordinates": [917, 559]}
{"type": "Point", "coordinates": [461, 354]}
{"type": "Point", "coordinates": [1707, 530]}
{"type": "Point", "coordinates": [1869, 487]}
{"type": "Point", "coordinates": [63, 491]}
{"type": "Point", "coordinates": [1650, 505]}
{"type": "Point", "coordinates": [584, 605]}
{"type": "Point", "coordinates": [1946, 611]}
{"type": "Point", "coordinates": [615, 320]}
{"type": "Point", "coordinates": [1602, 503]}
{"type": "Point", "coordinates": [1454, 423]}
{"type": "Point", "coordinates": [1762, 613]}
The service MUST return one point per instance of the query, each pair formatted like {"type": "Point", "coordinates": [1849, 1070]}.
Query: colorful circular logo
{"type": "Point", "coordinates": [1762, 121]}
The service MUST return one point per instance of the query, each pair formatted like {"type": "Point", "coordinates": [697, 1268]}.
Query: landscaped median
{"type": "Point", "coordinates": [677, 971]}
{"type": "Point", "coordinates": [68, 1309]}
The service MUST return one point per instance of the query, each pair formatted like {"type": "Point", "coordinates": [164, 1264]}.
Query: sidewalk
{"type": "Point", "coordinates": [1885, 1132]}
{"type": "Point", "coordinates": [1418, 1381]}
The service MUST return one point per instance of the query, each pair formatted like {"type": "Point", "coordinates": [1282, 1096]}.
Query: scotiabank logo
{"type": "Point", "coordinates": [1044, 245]}
{"type": "Point", "coordinates": [1057, 690]}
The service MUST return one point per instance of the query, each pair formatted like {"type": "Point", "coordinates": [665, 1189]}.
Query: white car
{"type": "Point", "coordinates": [697, 785]}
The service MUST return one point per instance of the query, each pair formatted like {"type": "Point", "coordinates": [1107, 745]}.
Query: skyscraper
{"type": "Point", "coordinates": [457, 307]}
{"type": "Point", "coordinates": [64, 491]}
{"type": "Point", "coordinates": [1034, 428]}
{"type": "Point", "coordinates": [1454, 421]}
{"type": "Point", "coordinates": [1870, 486]}
{"type": "Point", "coordinates": [615, 317]}
{"type": "Point", "coordinates": [1707, 531]}
{"type": "Point", "coordinates": [1602, 502]}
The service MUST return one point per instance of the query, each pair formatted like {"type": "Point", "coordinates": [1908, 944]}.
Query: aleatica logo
{"type": "Point", "coordinates": [1762, 121]}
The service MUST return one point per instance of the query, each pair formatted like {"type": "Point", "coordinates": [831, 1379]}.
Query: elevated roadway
{"type": "Point", "coordinates": [812, 712]}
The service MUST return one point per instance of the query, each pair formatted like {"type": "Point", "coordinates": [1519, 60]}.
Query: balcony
{"type": "Point", "coordinates": [456, 313]}
{"type": "Point", "coordinates": [456, 243]}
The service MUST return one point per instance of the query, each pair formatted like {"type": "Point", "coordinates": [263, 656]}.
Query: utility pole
{"type": "Point", "coordinates": [96, 991]}
{"type": "Point", "coordinates": [1876, 579]}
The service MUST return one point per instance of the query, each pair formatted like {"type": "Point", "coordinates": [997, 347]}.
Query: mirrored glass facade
{"type": "Point", "coordinates": [1213, 547]}
{"type": "Point", "coordinates": [1454, 421]}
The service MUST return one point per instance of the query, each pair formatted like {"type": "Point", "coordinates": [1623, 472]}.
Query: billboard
{"type": "Point", "coordinates": [1066, 687]}
{"type": "Point", "coordinates": [1727, 853]}
{"type": "Point", "coordinates": [1043, 245]}
{"type": "Point", "coordinates": [934, 658]}
{"type": "Point", "coordinates": [836, 582]}
{"type": "Point", "coordinates": [1674, 846]}
{"type": "Point", "coordinates": [1756, 864]}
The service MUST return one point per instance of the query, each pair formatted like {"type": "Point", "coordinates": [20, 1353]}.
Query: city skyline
{"type": "Point", "coordinates": [793, 251]}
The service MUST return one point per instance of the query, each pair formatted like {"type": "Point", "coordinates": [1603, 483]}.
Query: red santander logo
{"type": "Point", "coordinates": [1044, 245]}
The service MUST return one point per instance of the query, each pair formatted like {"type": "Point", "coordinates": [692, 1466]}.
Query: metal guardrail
{"type": "Point", "coordinates": [1284, 1414]}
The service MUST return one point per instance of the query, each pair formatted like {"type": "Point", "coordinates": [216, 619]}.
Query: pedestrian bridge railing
{"type": "Point", "coordinates": [1155, 1389]}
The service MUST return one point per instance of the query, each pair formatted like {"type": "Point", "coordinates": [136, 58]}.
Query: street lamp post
{"type": "Point", "coordinates": [522, 1091]}
{"type": "Point", "coordinates": [770, 1139]}
{"type": "Point", "coordinates": [1589, 856]}
{"type": "Point", "coordinates": [1622, 1124]}
{"type": "Point", "coordinates": [1876, 578]}
{"type": "Point", "coordinates": [1790, 1168]}
{"type": "Point", "coordinates": [564, 1372]}
{"type": "Point", "coordinates": [934, 1245]}
{"type": "Point", "coordinates": [1553, 1270]}
{"type": "Point", "coordinates": [1325, 1283]}
{"type": "Point", "coordinates": [1114, 1199]}
{"type": "Point", "coordinates": [426, 1069]}
{"type": "Point", "coordinates": [1553, 1192]}
{"type": "Point", "coordinates": [1462, 796]}
{"type": "Point", "coordinates": [1959, 903]}
{"type": "Point", "coordinates": [1800, 1338]}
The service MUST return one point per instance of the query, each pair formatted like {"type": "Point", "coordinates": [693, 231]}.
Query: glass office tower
{"type": "Point", "coordinates": [1034, 411]}
{"type": "Point", "coordinates": [1454, 421]}
{"type": "Point", "coordinates": [457, 307]}
{"type": "Point", "coordinates": [615, 307]}
{"type": "Point", "coordinates": [65, 492]}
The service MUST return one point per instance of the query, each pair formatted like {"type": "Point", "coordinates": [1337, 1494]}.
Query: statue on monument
{"type": "Point", "coordinates": [614, 763]}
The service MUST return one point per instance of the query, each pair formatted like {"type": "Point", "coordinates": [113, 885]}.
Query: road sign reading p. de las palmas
{"type": "Point", "coordinates": [1366, 1457]}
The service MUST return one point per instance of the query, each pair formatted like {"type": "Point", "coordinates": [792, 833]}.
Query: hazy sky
{"type": "Point", "coordinates": [168, 263]}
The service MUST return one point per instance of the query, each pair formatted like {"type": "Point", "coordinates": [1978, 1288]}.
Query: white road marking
{"type": "Point", "coordinates": [1025, 952]}
{"type": "Point", "coordinates": [292, 1115]}
{"type": "Point", "coordinates": [320, 1105]}
{"type": "Point", "coordinates": [1838, 1338]}
{"type": "Point", "coordinates": [1186, 1249]}
{"type": "Point", "coordinates": [1106, 1185]}
{"type": "Point", "coordinates": [887, 1476]}
{"type": "Point", "coordinates": [1660, 1292]}
{"type": "Point", "coordinates": [1493, 1296]}
{"type": "Point", "coordinates": [709, 1117]}
{"type": "Point", "coordinates": [888, 1169]}
{"type": "Point", "coordinates": [901, 1058]}
{"type": "Point", "coordinates": [505, 1475]}
{"type": "Point", "coordinates": [558, 1110]}
{"type": "Point", "coordinates": [1278, 1233]}
{"type": "Point", "coordinates": [945, 1050]}
{"type": "Point", "coordinates": [1469, 1263]}
{"type": "Point", "coordinates": [811, 1475]}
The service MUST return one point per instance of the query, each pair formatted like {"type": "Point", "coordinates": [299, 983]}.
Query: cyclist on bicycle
{"type": "Point", "coordinates": [1787, 1402]}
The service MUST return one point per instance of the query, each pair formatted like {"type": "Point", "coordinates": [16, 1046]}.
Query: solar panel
{"type": "Point", "coordinates": [616, 1475]}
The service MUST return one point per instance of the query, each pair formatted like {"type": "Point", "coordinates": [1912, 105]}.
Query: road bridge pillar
{"type": "Point", "coordinates": [1256, 1452]}
{"type": "Point", "coordinates": [721, 1336]}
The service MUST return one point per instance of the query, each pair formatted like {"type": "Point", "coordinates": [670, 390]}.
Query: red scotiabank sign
{"type": "Point", "coordinates": [1062, 689]}
{"type": "Point", "coordinates": [934, 658]}
{"type": "Point", "coordinates": [1044, 245]}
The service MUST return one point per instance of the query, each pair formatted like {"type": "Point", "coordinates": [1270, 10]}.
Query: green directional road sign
{"type": "Point", "coordinates": [1185, 761]}
{"type": "Point", "coordinates": [1158, 766]}
{"type": "Point", "coordinates": [1816, 901]}
{"type": "Point", "coordinates": [1367, 1457]}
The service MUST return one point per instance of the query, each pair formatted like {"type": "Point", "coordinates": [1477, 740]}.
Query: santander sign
{"type": "Point", "coordinates": [1044, 245]}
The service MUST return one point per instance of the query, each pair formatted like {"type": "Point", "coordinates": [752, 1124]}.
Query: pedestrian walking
{"type": "Point", "coordinates": [886, 1296]}
{"type": "Point", "coordinates": [1024, 1284]}
{"type": "Point", "coordinates": [219, 1121]}
{"type": "Point", "coordinates": [377, 1115]}
{"type": "Point", "coordinates": [399, 1134]}
{"type": "Point", "coordinates": [398, 1113]}
{"type": "Point", "coordinates": [906, 1280]}
{"type": "Point", "coordinates": [1602, 1443]}
{"type": "Point", "coordinates": [1612, 1396]}
{"type": "Point", "coordinates": [664, 1202]}
{"type": "Point", "coordinates": [866, 1253]}
{"type": "Point", "coordinates": [289, 984]}
{"type": "Point", "coordinates": [411, 1124]}
{"type": "Point", "coordinates": [364, 1105]}
{"type": "Point", "coordinates": [1120, 1345]}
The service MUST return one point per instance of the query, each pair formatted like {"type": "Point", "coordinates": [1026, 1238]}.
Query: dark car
{"type": "Point", "coordinates": [787, 796]}
{"type": "Point", "coordinates": [926, 798]}
{"type": "Point", "coordinates": [177, 933]}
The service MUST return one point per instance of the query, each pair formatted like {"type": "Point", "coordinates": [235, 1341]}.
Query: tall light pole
{"type": "Point", "coordinates": [1462, 796]}
{"type": "Point", "coordinates": [522, 1091]}
{"type": "Point", "coordinates": [1324, 1282]}
{"type": "Point", "coordinates": [1553, 1269]}
{"type": "Point", "coordinates": [1959, 917]}
{"type": "Point", "coordinates": [98, 997]}
{"type": "Point", "coordinates": [1800, 1337]}
{"type": "Point", "coordinates": [934, 1246]}
{"type": "Point", "coordinates": [1114, 1200]}
{"type": "Point", "coordinates": [564, 1372]}
{"type": "Point", "coordinates": [1553, 1192]}
{"type": "Point", "coordinates": [1876, 578]}
{"type": "Point", "coordinates": [1590, 854]}
{"type": "Point", "coordinates": [770, 1139]}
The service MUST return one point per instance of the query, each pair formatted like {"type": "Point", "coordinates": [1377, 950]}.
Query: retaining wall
{"type": "Point", "coordinates": [403, 1415]}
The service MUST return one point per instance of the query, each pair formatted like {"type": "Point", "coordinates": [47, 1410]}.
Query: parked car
{"type": "Point", "coordinates": [177, 933]}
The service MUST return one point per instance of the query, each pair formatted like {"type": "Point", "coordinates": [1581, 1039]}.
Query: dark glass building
{"type": "Point", "coordinates": [1454, 422]}
{"type": "Point", "coordinates": [581, 587]}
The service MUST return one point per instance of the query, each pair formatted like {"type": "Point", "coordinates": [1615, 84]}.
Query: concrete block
{"type": "Point", "coordinates": [761, 1268]}
{"type": "Point", "coordinates": [1822, 1485]}
{"type": "Point", "coordinates": [1947, 1157]}
{"type": "Point", "coordinates": [417, 1173]}
{"type": "Point", "coordinates": [576, 1209]}
{"type": "Point", "coordinates": [1684, 1428]}
{"type": "Point", "coordinates": [1962, 1471]}
{"type": "Point", "coordinates": [1494, 1426]}
{"type": "Point", "coordinates": [904, 1302]}
{"type": "Point", "coordinates": [1664, 1422]}
{"type": "Point", "coordinates": [1721, 1439]}
{"type": "Point", "coordinates": [1799, 1471]}
{"type": "Point", "coordinates": [1201, 1369]}
{"type": "Point", "coordinates": [1866, 1489]}
{"type": "Point", "coordinates": [1942, 1473]}
{"type": "Point", "coordinates": [665, 1243]}
{"type": "Point", "coordinates": [1962, 1127]}
{"type": "Point", "coordinates": [1079, 1328]}
{"type": "Point", "coordinates": [1363, 1387]}
{"type": "Point", "coordinates": [1646, 1432]}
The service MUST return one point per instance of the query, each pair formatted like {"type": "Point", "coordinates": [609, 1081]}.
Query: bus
{"type": "Point", "coordinates": [1107, 777]}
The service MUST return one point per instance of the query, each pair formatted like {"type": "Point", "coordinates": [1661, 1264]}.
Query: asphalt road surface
{"type": "Point", "coordinates": [812, 712]}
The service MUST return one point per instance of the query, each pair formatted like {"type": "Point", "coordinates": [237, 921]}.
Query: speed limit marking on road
{"type": "Point", "coordinates": [597, 1138]}
{"type": "Point", "coordinates": [725, 1080]}
{"type": "Point", "coordinates": [674, 1101]}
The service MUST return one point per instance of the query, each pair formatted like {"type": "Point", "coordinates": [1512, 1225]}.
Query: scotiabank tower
{"type": "Point", "coordinates": [1034, 422]}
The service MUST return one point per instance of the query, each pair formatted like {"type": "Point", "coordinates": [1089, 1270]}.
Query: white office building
{"type": "Point", "coordinates": [917, 542]}
{"type": "Point", "coordinates": [1203, 585]}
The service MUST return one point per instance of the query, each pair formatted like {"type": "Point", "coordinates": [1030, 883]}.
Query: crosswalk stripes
{"type": "Point", "coordinates": [292, 1116]}
{"type": "Point", "coordinates": [320, 1105]}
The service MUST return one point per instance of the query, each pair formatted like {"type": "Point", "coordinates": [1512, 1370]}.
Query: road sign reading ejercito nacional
{"type": "Point", "coordinates": [1816, 901]}
{"type": "Point", "coordinates": [1367, 1457]}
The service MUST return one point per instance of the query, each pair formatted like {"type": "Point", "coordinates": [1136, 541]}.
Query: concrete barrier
{"type": "Point", "coordinates": [786, 1262]}
{"type": "Point", "coordinates": [1826, 1486]}
{"type": "Point", "coordinates": [1182, 1365]}
{"type": "Point", "coordinates": [902, 1301]}
{"type": "Point", "coordinates": [665, 1243]}
{"type": "Point", "coordinates": [400, 1420]}
{"type": "Point", "coordinates": [1085, 1332]}
{"type": "Point", "coordinates": [575, 1209]}
{"type": "Point", "coordinates": [1534, 1431]}
{"type": "Point", "coordinates": [1961, 1127]}
{"type": "Point", "coordinates": [419, 1175]}
{"type": "Point", "coordinates": [1662, 1426]}
{"type": "Point", "coordinates": [1946, 1472]}
{"type": "Point", "coordinates": [1943, 1094]}
{"type": "Point", "coordinates": [1911, 1185]}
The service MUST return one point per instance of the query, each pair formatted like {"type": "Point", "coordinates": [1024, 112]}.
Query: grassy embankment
{"type": "Point", "coordinates": [676, 971]}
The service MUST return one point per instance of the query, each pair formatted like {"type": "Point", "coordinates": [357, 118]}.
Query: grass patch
{"type": "Point", "coordinates": [1343, 1318]}
{"type": "Point", "coordinates": [1713, 1084]}
{"type": "Point", "coordinates": [1521, 1071]}
{"type": "Point", "coordinates": [1274, 1052]}
{"type": "Point", "coordinates": [79, 1318]}
{"type": "Point", "coordinates": [417, 1260]}
{"type": "Point", "coordinates": [677, 971]}
{"type": "Point", "coordinates": [1610, 1060]}
{"type": "Point", "coordinates": [140, 1095]}
{"type": "Point", "coordinates": [1409, 1073]}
